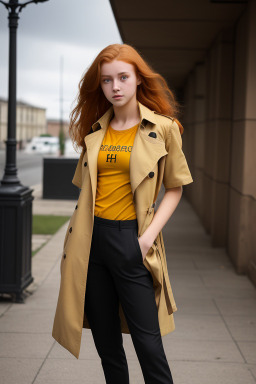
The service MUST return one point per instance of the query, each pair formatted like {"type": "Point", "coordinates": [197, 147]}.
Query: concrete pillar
{"type": "Point", "coordinates": [208, 116]}
{"type": "Point", "coordinates": [194, 143]}
{"type": "Point", "coordinates": [242, 206]}
{"type": "Point", "coordinates": [188, 135]}
{"type": "Point", "coordinates": [218, 137]}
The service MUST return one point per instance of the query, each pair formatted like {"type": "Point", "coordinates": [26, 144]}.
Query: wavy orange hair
{"type": "Point", "coordinates": [153, 92]}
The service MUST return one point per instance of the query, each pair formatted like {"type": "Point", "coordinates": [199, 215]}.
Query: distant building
{"type": "Point", "coordinates": [53, 127]}
{"type": "Point", "coordinates": [31, 121]}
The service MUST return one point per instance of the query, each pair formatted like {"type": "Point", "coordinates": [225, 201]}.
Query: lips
{"type": "Point", "coordinates": [117, 96]}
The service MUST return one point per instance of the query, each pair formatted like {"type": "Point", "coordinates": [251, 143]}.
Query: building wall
{"type": "Point", "coordinates": [30, 122]}
{"type": "Point", "coordinates": [219, 140]}
{"type": "Point", "coordinates": [3, 122]}
{"type": "Point", "coordinates": [53, 128]}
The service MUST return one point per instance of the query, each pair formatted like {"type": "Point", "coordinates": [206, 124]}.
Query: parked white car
{"type": "Point", "coordinates": [69, 149]}
{"type": "Point", "coordinates": [43, 144]}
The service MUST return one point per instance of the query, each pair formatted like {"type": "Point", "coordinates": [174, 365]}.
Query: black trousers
{"type": "Point", "coordinates": [116, 272]}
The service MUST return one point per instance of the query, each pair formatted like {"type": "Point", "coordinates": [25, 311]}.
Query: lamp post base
{"type": "Point", "coordinates": [15, 239]}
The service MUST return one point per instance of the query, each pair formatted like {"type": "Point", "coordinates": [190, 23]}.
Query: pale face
{"type": "Point", "coordinates": [119, 78]}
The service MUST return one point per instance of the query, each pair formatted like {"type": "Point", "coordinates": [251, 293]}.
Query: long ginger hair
{"type": "Point", "coordinates": [153, 92]}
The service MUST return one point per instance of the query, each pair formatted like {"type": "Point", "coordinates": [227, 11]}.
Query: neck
{"type": "Point", "coordinates": [126, 113]}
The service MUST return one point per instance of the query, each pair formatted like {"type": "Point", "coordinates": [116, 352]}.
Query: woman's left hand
{"type": "Point", "coordinates": [144, 246]}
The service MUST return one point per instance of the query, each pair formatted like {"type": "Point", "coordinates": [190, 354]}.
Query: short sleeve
{"type": "Point", "coordinates": [77, 178]}
{"type": "Point", "coordinates": [176, 171]}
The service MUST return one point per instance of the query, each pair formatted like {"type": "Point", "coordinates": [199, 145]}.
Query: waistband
{"type": "Point", "coordinates": [116, 223]}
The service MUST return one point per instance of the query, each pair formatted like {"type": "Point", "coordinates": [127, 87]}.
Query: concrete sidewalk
{"type": "Point", "coordinates": [215, 337]}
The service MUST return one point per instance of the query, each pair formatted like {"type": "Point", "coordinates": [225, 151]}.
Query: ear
{"type": "Point", "coordinates": [138, 81]}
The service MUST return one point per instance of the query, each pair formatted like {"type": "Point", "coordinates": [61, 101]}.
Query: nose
{"type": "Point", "coordinates": [116, 86]}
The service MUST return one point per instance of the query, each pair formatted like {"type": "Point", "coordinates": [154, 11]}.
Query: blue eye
{"type": "Point", "coordinates": [124, 76]}
{"type": "Point", "coordinates": [104, 80]}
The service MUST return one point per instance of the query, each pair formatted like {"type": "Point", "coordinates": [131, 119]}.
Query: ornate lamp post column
{"type": "Point", "coordinates": [15, 198]}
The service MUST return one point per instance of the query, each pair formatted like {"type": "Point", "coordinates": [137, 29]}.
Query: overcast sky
{"type": "Point", "coordinates": [77, 30]}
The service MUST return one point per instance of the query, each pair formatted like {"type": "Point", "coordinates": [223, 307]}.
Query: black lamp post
{"type": "Point", "coordinates": [15, 198]}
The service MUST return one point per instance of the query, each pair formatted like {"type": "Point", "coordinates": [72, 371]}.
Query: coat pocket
{"type": "Point", "coordinates": [166, 282]}
{"type": "Point", "coordinates": [155, 267]}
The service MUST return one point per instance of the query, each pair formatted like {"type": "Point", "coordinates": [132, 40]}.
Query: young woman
{"type": "Point", "coordinates": [114, 276]}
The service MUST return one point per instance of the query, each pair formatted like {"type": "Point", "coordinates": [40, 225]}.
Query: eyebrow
{"type": "Point", "coordinates": [120, 73]}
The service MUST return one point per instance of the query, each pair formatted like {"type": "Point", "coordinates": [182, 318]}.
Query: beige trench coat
{"type": "Point", "coordinates": [153, 160]}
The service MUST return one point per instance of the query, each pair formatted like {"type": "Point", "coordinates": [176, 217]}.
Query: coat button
{"type": "Point", "coordinates": [70, 229]}
{"type": "Point", "coordinates": [76, 207]}
{"type": "Point", "coordinates": [85, 163]}
{"type": "Point", "coordinates": [152, 134]}
{"type": "Point", "coordinates": [64, 256]}
{"type": "Point", "coordinates": [151, 174]}
{"type": "Point", "coordinates": [150, 210]}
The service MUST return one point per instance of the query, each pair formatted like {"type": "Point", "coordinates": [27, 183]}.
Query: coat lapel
{"type": "Point", "coordinates": [144, 156]}
{"type": "Point", "coordinates": [93, 143]}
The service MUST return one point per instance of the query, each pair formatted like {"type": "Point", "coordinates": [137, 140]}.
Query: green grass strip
{"type": "Point", "coordinates": [47, 224]}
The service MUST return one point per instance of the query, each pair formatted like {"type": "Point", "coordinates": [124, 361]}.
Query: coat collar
{"type": "Point", "coordinates": [145, 115]}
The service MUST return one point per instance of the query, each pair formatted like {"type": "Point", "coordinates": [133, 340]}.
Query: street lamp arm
{"type": "Point", "coordinates": [15, 5]}
{"type": "Point", "coordinates": [29, 2]}
{"type": "Point", "coordinates": [5, 4]}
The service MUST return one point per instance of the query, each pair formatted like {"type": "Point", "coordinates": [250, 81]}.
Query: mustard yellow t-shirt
{"type": "Point", "coordinates": [114, 199]}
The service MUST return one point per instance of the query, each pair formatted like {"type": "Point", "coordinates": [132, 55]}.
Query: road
{"type": "Point", "coordinates": [30, 167]}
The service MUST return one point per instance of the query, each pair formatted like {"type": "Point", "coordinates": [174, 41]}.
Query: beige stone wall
{"type": "Point", "coordinates": [220, 137]}
{"type": "Point", "coordinates": [3, 122]}
{"type": "Point", "coordinates": [30, 122]}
